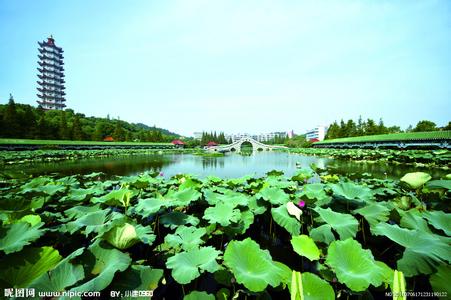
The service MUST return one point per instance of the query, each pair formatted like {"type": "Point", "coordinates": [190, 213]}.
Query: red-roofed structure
{"type": "Point", "coordinates": [178, 143]}
{"type": "Point", "coordinates": [212, 144]}
{"type": "Point", "coordinates": [108, 139]}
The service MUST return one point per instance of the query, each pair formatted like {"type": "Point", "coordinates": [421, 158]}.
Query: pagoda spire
{"type": "Point", "coordinates": [51, 74]}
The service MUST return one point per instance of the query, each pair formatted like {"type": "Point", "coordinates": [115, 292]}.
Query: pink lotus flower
{"type": "Point", "coordinates": [301, 204]}
{"type": "Point", "coordinates": [161, 174]}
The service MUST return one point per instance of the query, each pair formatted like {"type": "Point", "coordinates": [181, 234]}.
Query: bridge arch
{"type": "Point", "coordinates": [236, 146]}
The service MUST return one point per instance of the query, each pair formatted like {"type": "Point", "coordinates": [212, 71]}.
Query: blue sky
{"type": "Point", "coordinates": [237, 66]}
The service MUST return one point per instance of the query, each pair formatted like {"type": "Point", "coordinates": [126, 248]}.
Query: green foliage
{"type": "Point", "coordinates": [305, 246]}
{"type": "Point", "coordinates": [25, 121]}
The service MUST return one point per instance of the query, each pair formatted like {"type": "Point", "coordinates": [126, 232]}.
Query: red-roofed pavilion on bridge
{"type": "Point", "coordinates": [212, 144]}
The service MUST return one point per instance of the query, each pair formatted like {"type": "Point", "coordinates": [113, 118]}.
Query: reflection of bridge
{"type": "Point", "coordinates": [236, 146]}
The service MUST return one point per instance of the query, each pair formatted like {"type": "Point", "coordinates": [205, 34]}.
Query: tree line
{"type": "Point", "coordinates": [213, 137]}
{"type": "Point", "coordinates": [350, 128]}
{"type": "Point", "coordinates": [28, 122]}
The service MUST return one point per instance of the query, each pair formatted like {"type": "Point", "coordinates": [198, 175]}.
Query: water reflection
{"type": "Point", "coordinates": [230, 166]}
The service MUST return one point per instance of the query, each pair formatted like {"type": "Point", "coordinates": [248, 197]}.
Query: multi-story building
{"type": "Point", "coordinates": [316, 134]}
{"type": "Point", "coordinates": [262, 137]}
{"type": "Point", "coordinates": [51, 85]}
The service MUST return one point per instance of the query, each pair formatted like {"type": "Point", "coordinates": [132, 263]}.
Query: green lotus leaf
{"type": "Point", "coordinates": [188, 265]}
{"type": "Point", "coordinates": [374, 213]}
{"type": "Point", "coordinates": [186, 237]}
{"type": "Point", "coordinates": [322, 234]}
{"type": "Point", "coordinates": [312, 288]}
{"type": "Point", "coordinates": [345, 224]}
{"type": "Point", "coordinates": [246, 220]}
{"type": "Point", "coordinates": [78, 195]}
{"type": "Point", "coordinates": [222, 213]}
{"type": "Point", "coordinates": [79, 211]}
{"type": "Point", "coordinates": [439, 184]}
{"type": "Point", "coordinates": [228, 197]}
{"type": "Point", "coordinates": [257, 206]}
{"type": "Point", "coordinates": [423, 249]}
{"type": "Point", "coordinates": [125, 235]}
{"type": "Point", "coordinates": [302, 175]}
{"type": "Point", "coordinates": [13, 237]}
{"type": "Point", "coordinates": [148, 207]}
{"type": "Point", "coordinates": [196, 295]}
{"type": "Point", "coordinates": [274, 195]}
{"type": "Point", "coordinates": [138, 278]}
{"type": "Point", "coordinates": [252, 266]}
{"type": "Point", "coordinates": [101, 263]}
{"type": "Point", "coordinates": [33, 220]}
{"type": "Point", "coordinates": [352, 191]}
{"type": "Point", "coordinates": [354, 266]}
{"type": "Point", "coordinates": [65, 274]}
{"type": "Point", "coordinates": [316, 193]}
{"type": "Point", "coordinates": [416, 179]}
{"type": "Point", "coordinates": [281, 217]}
{"type": "Point", "coordinates": [305, 246]}
{"type": "Point", "coordinates": [440, 280]}
{"type": "Point", "coordinates": [176, 218]}
{"type": "Point", "coordinates": [99, 221]}
{"type": "Point", "coordinates": [412, 219]}
{"type": "Point", "coordinates": [21, 268]}
{"type": "Point", "coordinates": [182, 197]}
{"type": "Point", "coordinates": [121, 197]}
{"type": "Point", "coordinates": [440, 220]}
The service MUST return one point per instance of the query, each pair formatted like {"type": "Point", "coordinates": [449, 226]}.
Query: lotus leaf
{"type": "Point", "coordinates": [312, 287]}
{"type": "Point", "coordinates": [125, 235]}
{"type": "Point", "coordinates": [186, 237]}
{"type": "Point", "coordinates": [439, 184]}
{"type": "Point", "coordinates": [323, 234]}
{"type": "Point", "coordinates": [281, 217]}
{"type": "Point", "coordinates": [423, 250]}
{"type": "Point", "coordinates": [305, 246]}
{"type": "Point", "coordinates": [183, 197]}
{"type": "Point", "coordinates": [188, 265]}
{"type": "Point", "coordinates": [440, 220]}
{"type": "Point", "coordinates": [354, 266]}
{"type": "Point", "coordinates": [65, 274]}
{"type": "Point", "coordinates": [416, 179]}
{"type": "Point", "coordinates": [138, 278]}
{"type": "Point", "coordinates": [315, 192]}
{"type": "Point", "coordinates": [273, 195]}
{"type": "Point", "coordinates": [374, 212]}
{"type": "Point", "coordinates": [14, 237]}
{"type": "Point", "coordinates": [121, 197]}
{"type": "Point", "coordinates": [102, 262]}
{"type": "Point", "coordinates": [229, 197]}
{"type": "Point", "coordinates": [21, 268]}
{"type": "Point", "coordinates": [222, 213]}
{"type": "Point", "coordinates": [440, 280]}
{"type": "Point", "coordinates": [352, 191]}
{"type": "Point", "coordinates": [196, 295]}
{"type": "Point", "coordinates": [252, 266]}
{"type": "Point", "coordinates": [148, 207]}
{"type": "Point", "coordinates": [176, 218]}
{"type": "Point", "coordinates": [345, 224]}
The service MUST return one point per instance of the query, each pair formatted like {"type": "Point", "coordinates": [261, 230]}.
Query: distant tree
{"type": "Point", "coordinates": [394, 129]}
{"type": "Point", "coordinates": [119, 133]}
{"type": "Point", "coordinates": [447, 127]}
{"type": "Point", "coordinates": [63, 131]}
{"type": "Point", "coordinates": [409, 128]}
{"type": "Point", "coordinates": [77, 133]}
{"type": "Point", "coordinates": [333, 132]}
{"type": "Point", "coordinates": [11, 119]}
{"type": "Point", "coordinates": [371, 127]}
{"type": "Point", "coordinates": [360, 127]}
{"type": "Point", "coordinates": [351, 128]}
{"type": "Point", "coordinates": [425, 125]}
{"type": "Point", "coordinates": [28, 123]}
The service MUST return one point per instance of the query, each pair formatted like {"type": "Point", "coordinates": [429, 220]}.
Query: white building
{"type": "Point", "coordinates": [262, 137]}
{"type": "Point", "coordinates": [197, 135]}
{"type": "Point", "coordinates": [317, 133]}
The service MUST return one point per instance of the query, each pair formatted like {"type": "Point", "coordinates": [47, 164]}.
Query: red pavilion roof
{"type": "Point", "coordinates": [178, 142]}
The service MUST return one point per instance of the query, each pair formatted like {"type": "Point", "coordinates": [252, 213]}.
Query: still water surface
{"type": "Point", "coordinates": [229, 166]}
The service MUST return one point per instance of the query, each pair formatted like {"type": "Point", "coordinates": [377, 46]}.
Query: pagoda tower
{"type": "Point", "coordinates": [51, 84]}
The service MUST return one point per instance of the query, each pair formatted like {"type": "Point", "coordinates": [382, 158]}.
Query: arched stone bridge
{"type": "Point", "coordinates": [236, 146]}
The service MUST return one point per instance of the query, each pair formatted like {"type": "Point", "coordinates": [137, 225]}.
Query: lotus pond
{"type": "Point", "coordinates": [376, 163]}
{"type": "Point", "coordinates": [273, 236]}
